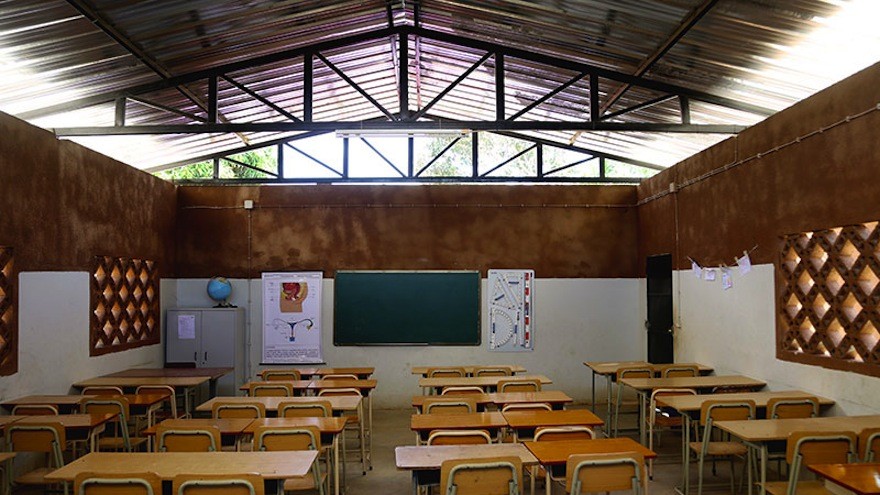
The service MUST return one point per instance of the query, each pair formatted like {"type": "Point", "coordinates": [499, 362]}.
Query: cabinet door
{"type": "Point", "coordinates": [182, 336]}
{"type": "Point", "coordinates": [218, 339]}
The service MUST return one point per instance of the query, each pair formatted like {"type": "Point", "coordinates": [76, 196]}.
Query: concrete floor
{"type": "Point", "coordinates": [392, 429]}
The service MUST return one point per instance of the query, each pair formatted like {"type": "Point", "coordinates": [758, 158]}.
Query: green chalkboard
{"type": "Point", "coordinates": [406, 308]}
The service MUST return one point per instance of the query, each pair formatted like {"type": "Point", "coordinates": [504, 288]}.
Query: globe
{"type": "Point", "coordinates": [219, 289]}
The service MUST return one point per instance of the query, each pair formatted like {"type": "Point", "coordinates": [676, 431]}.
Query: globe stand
{"type": "Point", "coordinates": [225, 305]}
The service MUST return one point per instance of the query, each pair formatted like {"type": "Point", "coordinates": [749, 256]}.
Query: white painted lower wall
{"type": "Point", "coordinates": [735, 331]}
{"type": "Point", "coordinates": [576, 320]}
{"type": "Point", "coordinates": [53, 330]}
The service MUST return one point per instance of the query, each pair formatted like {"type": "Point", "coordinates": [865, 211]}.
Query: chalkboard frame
{"type": "Point", "coordinates": [472, 335]}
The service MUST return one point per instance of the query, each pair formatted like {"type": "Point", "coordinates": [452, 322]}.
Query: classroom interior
{"type": "Point", "coordinates": [810, 167]}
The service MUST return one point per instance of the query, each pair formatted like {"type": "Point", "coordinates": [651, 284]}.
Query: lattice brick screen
{"type": "Point", "coordinates": [125, 304]}
{"type": "Point", "coordinates": [828, 311]}
{"type": "Point", "coordinates": [8, 324]}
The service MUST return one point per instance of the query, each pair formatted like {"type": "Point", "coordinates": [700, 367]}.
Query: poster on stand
{"type": "Point", "coordinates": [511, 316]}
{"type": "Point", "coordinates": [292, 318]}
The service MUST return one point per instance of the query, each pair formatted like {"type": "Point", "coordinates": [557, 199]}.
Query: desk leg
{"type": "Point", "coordinates": [187, 402]}
{"type": "Point", "coordinates": [363, 437]}
{"type": "Point", "coordinates": [685, 453]}
{"type": "Point", "coordinates": [370, 431]}
{"type": "Point", "coordinates": [533, 471]}
{"type": "Point", "coordinates": [548, 483]}
{"type": "Point", "coordinates": [212, 388]}
{"type": "Point", "coordinates": [593, 377]}
{"type": "Point", "coordinates": [336, 463]}
{"type": "Point", "coordinates": [764, 455]}
{"type": "Point", "coordinates": [415, 483]}
{"type": "Point", "coordinates": [608, 385]}
{"type": "Point", "coordinates": [642, 410]}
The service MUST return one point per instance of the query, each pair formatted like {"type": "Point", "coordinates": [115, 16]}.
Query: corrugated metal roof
{"type": "Point", "coordinates": [55, 51]}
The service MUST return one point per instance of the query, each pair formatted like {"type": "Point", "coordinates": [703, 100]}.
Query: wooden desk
{"type": "Point", "coordinates": [689, 406]}
{"type": "Point", "coordinates": [330, 429]}
{"type": "Point", "coordinates": [227, 426]}
{"type": "Point", "coordinates": [474, 381]}
{"type": "Point", "coordinates": [609, 370]}
{"type": "Point", "coordinates": [68, 403]}
{"type": "Point", "coordinates": [298, 385]}
{"type": "Point", "coordinates": [644, 387]}
{"type": "Point", "coordinates": [482, 400]}
{"type": "Point", "coordinates": [555, 398]}
{"type": "Point", "coordinates": [424, 424]}
{"type": "Point", "coordinates": [554, 455]}
{"type": "Point", "coordinates": [424, 461]}
{"type": "Point", "coordinates": [861, 479]}
{"type": "Point", "coordinates": [761, 433]}
{"type": "Point", "coordinates": [213, 374]}
{"type": "Point", "coordinates": [469, 369]}
{"type": "Point", "coordinates": [187, 383]}
{"type": "Point", "coordinates": [273, 467]}
{"type": "Point", "coordinates": [339, 404]}
{"type": "Point", "coordinates": [7, 420]}
{"type": "Point", "coordinates": [362, 372]}
{"type": "Point", "coordinates": [76, 426]}
{"type": "Point", "coordinates": [520, 421]}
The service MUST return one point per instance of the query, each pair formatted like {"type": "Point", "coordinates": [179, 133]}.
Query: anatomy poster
{"type": "Point", "coordinates": [511, 317]}
{"type": "Point", "coordinates": [292, 317]}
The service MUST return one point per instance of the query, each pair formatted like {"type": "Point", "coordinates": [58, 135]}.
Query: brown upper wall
{"type": "Point", "coordinates": [560, 231]}
{"type": "Point", "coordinates": [62, 204]}
{"type": "Point", "coordinates": [825, 180]}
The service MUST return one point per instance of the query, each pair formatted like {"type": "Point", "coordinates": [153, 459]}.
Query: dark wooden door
{"type": "Point", "coordinates": [659, 323]}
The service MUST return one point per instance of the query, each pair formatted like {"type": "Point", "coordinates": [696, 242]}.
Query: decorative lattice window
{"type": "Point", "coordinates": [8, 324]}
{"type": "Point", "coordinates": [829, 290]}
{"type": "Point", "coordinates": [125, 304]}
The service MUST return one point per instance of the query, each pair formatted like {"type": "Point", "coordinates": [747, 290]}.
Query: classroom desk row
{"type": "Point", "coordinates": [187, 379]}
{"type": "Point", "coordinates": [139, 404]}
{"type": "Point", "coordinates": [484, 382]}
{"type": "Point", "coordinates": [516, 421]}
{"type": "Point", "coordinates": [272, 467]}
{"type": "Point", "coordinates": [469, 369]}
{"type": "Point", "coordinates": [424, 461]}
{"type": "Point", "coordinates": [309, 373]}
{"type": "Point", "coordinates": [330, 428]}
{"type": "Point", "coordinates": [77, 427]}
{"type": "Point", "coordinates": [555, 398]}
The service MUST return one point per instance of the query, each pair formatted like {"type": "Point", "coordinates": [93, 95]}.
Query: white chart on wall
{"type": "Point", "coordinates": [292, 317]}
{"type": "Point", "coordinates": [511, 319]}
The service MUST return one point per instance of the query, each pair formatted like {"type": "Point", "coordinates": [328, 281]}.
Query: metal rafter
{"type": "Point", "coordinates": [548, 60]}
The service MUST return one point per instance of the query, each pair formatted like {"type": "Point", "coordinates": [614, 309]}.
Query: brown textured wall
{"type": "Point", "coordinates": [61, 204]}
{"type": "Point", "coordinates": [560, 231]}
{"type": "Point", "coordinates": [825, 180]}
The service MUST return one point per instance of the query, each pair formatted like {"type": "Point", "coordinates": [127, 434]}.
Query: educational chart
{"type": "Point", "coordinates": [292, 317]}
{"type": "Point", "coordinates": [511, 319]}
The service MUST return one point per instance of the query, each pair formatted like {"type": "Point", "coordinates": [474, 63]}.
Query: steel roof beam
{"type": "Point", "coordinates": [467, 125]}
{"type": "Point", "coordinates": [183, 79]}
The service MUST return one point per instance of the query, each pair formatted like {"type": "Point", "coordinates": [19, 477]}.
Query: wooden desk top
{"type": "Point", "coordinates": [479, 381]}
{"type": "Point", "coordinates": [466, 421]}
{"type": "Point", "coordinates": [269, 465]}
{"type": "Point", "coordinates": [324, 425]}
{"type": "Point", "coordinates": [430, 457]}
{"type": "Point", "coordinates": [698, 382]}
{"type": "Point", "coordinates": [6, 420]}
{"type": "Point", "coordinates": [211, 373]}
{"type": "Point", "coordinates": [296, 384]}
{"type": "Point", "coordinates": [136, 381]}
{"type": "Point", "coordinates": [135, 400]}
{"type": "Point", "coordinates": [481, 399]}
{"type": "Point", "coordinates": [611, 367]}
{"type": "Point", "coordinates": [69, 421]}
{"type": "Point", "coordinates": [863, 479]}
{"type": "Point", "coordinates": [549, 396]}
{"type": "Point", "coordinates": [688, 403]}
{"type": "Point", "coordinates": [368, 384]}
{"type": "Point", "coordinates": [5, 456]}
{"type": "Point", "coordinates": [534, 419]}
{"type": "Point", "coordinates": [469, 369]}
{"type": "Point", "coordinates": [337, 402]}
{"type": "Point", "coordinates": [229, 426]}
{"type": "Point", "coordinates": [360, 371]}
{"type": "Point", "coordinates": [765, 430]}
{"type": "Point", "coordinates": [550, 453]}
